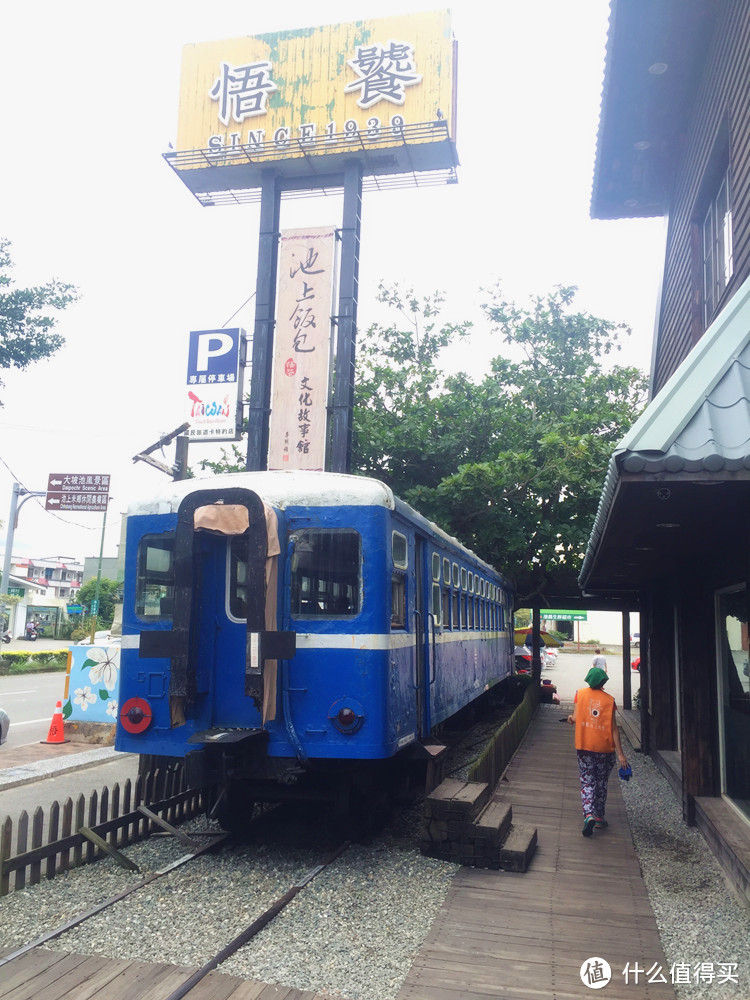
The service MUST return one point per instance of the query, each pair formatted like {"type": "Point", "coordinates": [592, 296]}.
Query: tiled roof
{"type": "Point", "coordinates": [699, 422]}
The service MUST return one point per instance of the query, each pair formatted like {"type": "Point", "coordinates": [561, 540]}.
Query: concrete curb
{"type": "Point", "coordinates": [24, 774]}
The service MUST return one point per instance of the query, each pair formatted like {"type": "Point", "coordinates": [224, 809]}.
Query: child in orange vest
{"type": "Point", "coordinates": [597, 742]}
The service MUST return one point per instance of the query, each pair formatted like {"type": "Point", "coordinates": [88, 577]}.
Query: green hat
{"type": "Point", "coordinates": [596, 677]}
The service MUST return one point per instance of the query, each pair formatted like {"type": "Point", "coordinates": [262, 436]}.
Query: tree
{"type": "Point", "coordinates": [108, 593]}
{"type": "Point", "coordinates": [513, 464]}
{"type": "Point", "coordinates": [25, 321]}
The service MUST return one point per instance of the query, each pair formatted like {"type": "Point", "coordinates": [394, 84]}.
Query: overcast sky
{"type": "Point", "coordinates": [89, 105]}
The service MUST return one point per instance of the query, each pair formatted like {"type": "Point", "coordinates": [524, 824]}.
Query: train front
{"type": "Point", "coordinates": [237, 651]}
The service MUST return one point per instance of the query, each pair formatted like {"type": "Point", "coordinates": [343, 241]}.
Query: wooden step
{"type": "Point", "coordinates": [493, 823]}
{"type": "Point", "coordinates": [519, 847]}
{"type": "Point", "coordinates": [454, 800]}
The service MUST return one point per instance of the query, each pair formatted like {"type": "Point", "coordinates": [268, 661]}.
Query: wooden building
{"type": "Point", "coordinates": [672, 534]}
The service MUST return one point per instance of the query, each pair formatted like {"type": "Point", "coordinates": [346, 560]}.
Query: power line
{"type": "Point", "coordinates": [237, 310]}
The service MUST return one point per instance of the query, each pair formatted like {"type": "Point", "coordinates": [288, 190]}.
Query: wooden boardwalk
{"type": "Point", "coordinates": [56, 975]}
{"type": "Point", "coordinates": [519, 937]}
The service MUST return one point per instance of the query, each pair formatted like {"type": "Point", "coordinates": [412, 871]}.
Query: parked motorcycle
{"type": "Point", "coordinates": [7, 636]}
{"type": "Point", "coordinates": [31, 633]}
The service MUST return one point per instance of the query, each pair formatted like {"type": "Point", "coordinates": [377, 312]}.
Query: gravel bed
{"type": "Point", "coordinates": [699, 915]}
{"type": "Point", "coordinates": [352, 932]}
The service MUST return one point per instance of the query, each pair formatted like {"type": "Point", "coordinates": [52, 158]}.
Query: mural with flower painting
{"type": "Point", "coordinates": [93, 684]}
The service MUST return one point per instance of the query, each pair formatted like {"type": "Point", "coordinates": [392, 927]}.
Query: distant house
{"type": "Point", "coordinates": [672, 534]}
{"type": "Point", "coordinates": [46, 588]}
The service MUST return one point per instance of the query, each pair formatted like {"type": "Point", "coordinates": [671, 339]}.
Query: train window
{"type": "Point", "coordinates": [455, 574]}
{"type": "Point", "coordinates": [476, 582]}
{"type": "Point", "coordinates": [400, 550]}
{"type": "Point", "coordinates": [435, 566]}
{"type": "Point", "coordinates": [446, 609]}
{"type": "Point", "coordinates": [471, 583]}
{"type": "Point", "coordinates": [455, 619]}
{"type": "Point", "coordinates": [326, 573]}
{"type": "Point", "coordinates": [154, 589]}
{"type": "Point", "coordinates": [463, 611]}
{"type": "Point", "coordinates": [398, 600]}
{"type": "Point", "coordinates": [237, 590]}
{"type": "Point", "coordinates": [446, 572]}
{"type": "Point", "coordinates": [463, 578]}
{"type": "Point", "coordinates": [500, 617]}
{"type": "Point", "coordinates": [471, 612]}
{"type": "Point", "coordinates": [437, 603]}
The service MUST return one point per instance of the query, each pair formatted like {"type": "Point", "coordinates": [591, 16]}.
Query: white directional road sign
{"type": "Point", "coordinates": [77, 491]}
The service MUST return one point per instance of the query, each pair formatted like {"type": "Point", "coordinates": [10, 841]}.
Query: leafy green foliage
{"type": "Point", "coordinates": [25, 320]}
{"type": "Point", "coordinates": [108, 590]}
{"type": "Point", "coordinates": [512, 464]}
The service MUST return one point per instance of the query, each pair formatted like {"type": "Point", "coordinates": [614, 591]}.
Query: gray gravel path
{"type": "Point", "coordinates": [700, 917]}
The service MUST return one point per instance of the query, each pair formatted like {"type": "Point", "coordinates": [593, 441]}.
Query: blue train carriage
{"type": "Point", "coordinates": [280, 626]}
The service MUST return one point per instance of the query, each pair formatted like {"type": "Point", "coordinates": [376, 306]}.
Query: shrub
{"type": "Point", "coordinates": [23, 662]}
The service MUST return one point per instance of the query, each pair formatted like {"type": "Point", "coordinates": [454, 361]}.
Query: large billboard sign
{"type": "Point", "coordinates": [383, 90]}
{"type": "Point", "coordinates": [213, 403]}
{"type": "Point", "coordinates": [302, 349]}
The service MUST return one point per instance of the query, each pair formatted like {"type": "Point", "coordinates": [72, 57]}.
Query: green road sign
{"type": "Point", "coordinates": [564, 616]}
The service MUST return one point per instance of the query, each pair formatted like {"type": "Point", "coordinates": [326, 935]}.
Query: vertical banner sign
{"type": "Point", "coordinates": [302, 347]}
{"type": "Point", "coordinates": [214, 384]}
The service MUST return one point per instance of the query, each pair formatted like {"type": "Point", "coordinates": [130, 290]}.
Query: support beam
{"type": "Point", "coordinates": [346, 322]}
{"type": "Point", "coordinates": [627, 700]}
{"type": "Point", "coordinates": [265, 311]}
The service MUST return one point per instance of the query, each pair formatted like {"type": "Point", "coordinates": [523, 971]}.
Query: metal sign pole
{"type": "Point", "coordinates": [98, 578]}
{"type": "Point", "coordinates": [265, 311]}
{"type": "Point", "coordinates": [17, 488]}
{"type": "Point", "coordinates": [346, 330]}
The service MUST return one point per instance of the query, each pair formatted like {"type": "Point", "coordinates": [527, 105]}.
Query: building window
{"type": "Point", "coordinates": [716, 248]}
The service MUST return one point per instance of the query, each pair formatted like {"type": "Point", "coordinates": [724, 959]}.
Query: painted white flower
{"type": "Point", "coordinates": [104, 666]}
{"type": "Point", "coordinates": [84, 697]}
{"type": "Point", "coordinates": [112, 708]}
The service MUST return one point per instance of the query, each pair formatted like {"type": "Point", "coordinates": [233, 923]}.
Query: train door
{"type": "Point", "coordinates": [220, 549]}
{"type": "Point", "coordinates": [220, 628]}
{"type": "Point", "coordinates": [425, 623]}
{"type": "Point", "coordinates": [421, 665]}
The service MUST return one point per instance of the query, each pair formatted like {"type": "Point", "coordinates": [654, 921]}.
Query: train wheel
{"type": "Point", "coordinates": [370, 804]}
{"type": "Point", "coordinates": [233, 810]}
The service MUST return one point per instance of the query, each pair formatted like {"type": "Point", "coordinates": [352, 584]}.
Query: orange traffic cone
{"type": "Point", "coordinates": [56, 734]}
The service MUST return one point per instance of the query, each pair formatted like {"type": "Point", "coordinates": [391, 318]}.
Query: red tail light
{"type": "Point", "coordinates": [136, 715]}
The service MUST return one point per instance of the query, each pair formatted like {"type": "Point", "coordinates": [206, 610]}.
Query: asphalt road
{"type": "Point", "coordinates": [570, 669]}
{"type": "Point", "coordinates": [44, 791]}
{"type": "Point", "coordinates": [30, 701]}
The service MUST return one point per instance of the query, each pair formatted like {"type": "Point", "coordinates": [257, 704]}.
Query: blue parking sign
{"type": "Point", "coordinates": [213, 356]}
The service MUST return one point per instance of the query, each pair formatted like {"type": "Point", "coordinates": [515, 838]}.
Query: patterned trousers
{"type": "Point", "coordinates": [594, 770]}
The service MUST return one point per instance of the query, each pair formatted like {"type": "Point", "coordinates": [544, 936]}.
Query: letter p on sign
{"type": "Point", "coordinates": [212, 345]}
{"type": "Point", "coordinates": [214, 355]}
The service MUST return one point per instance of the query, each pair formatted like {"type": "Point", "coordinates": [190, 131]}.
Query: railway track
{"type": "Point", "coordinates": [238, 941]}
{"type": "Point", "coordinates": [367, 912]}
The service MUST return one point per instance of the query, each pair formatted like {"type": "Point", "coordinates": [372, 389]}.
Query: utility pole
{"type": "Point", "coordinates": [15, 507]}
{"type": "Point", "coordinates": [95, 615]}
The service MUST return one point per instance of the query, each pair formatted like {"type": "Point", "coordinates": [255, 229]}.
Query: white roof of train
{"type": "Point", "coordinates": [279, 489]}
{"type": "Point", "coordinates": [291, 489]}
